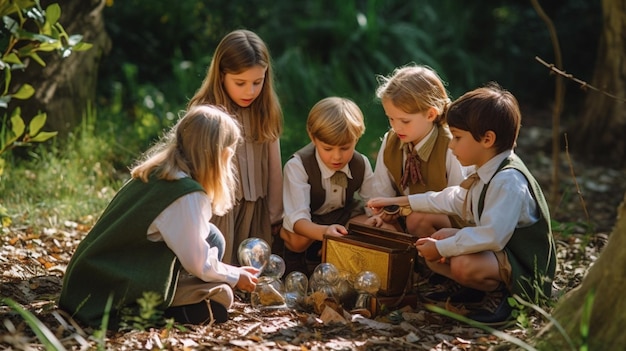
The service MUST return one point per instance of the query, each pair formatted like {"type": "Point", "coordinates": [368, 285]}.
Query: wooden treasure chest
{"type": "Point", "coordinates": [389, 254]}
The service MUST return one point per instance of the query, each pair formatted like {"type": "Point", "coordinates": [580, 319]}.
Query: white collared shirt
{"type": "Point", "coordinates": [508, 204]}
{"type": "Point", "coordinates": [297, 191]}
{"type": "Point", "coordinates": [184, 227]}
{"type": "Point", "coordinates": [384, 181]}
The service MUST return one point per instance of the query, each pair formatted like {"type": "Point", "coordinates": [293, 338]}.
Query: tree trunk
{"type": "Point", "coordinates": [600, 133]}
{"type": "Point", "coordinates": [607, 279]}
{"type": "Point", "coordinates": [65, 87]}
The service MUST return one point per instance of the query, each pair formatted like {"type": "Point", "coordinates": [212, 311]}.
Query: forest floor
{"type": "Point", "coordinates": [33, 262]}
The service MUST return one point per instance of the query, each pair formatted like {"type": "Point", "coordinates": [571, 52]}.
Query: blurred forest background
{"type": "Point", "coordinates": [109, 103]}
{"type": "Point", "coordinates": [160, 53]}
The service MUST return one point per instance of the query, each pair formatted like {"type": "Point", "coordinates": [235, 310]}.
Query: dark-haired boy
{"type": "Point", "coordinates": [510, 248]}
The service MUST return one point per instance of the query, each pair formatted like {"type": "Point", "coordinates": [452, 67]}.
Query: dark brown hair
{"type": "Point", "coordinates": [487, 108]}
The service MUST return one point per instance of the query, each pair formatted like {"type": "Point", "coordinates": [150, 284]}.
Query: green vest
{"type": "Point", "coordinates": [318, 194]}
{"type": "Point", "coordinates": [433, 171]}
{"type": "Point", "coordinates": [531, 250]}
{"type": "Point", "coordinates": [117, 259]}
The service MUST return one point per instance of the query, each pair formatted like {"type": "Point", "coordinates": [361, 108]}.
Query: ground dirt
{"type": "Point", "coordinates": [33, 262]}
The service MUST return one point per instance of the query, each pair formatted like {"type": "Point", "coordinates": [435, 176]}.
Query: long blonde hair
{"type": "Point", "coordinates": [413, 89]}
{"type": "Point", "coordinates": [197, 145]}
{"type": "Point", "coordinates": [237, 52]}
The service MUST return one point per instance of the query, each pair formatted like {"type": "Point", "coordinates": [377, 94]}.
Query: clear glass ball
{"type": "Point", "coordinates": [367, 281]}
{"type": "Point", "coordinates": [254, 252]}
{"type": "Point", "coordinates": [325, 273]}
{"type": "Point", "coordinates": [268, 293]}
{"type": "Point", "coordinates": [344, 287]}
{"type": "Point", "coordinates": [296, 285]}
{"type": "Point", "coordinates": [275, 267]}
{"type": "Point", "coordinates": [296, 282]}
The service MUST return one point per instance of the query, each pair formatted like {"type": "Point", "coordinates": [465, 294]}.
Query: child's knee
{"type": "Point", "coordinates": [419, 225]}
{"type": "Point", "coordinates": [460, 270]}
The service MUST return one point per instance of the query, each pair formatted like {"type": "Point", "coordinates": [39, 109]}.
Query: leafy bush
{"type": "Point", "coordinates": [21, 45]}
{"type": "Point", "coordinates": [72, 179]}
{"type": "Point", "coordinates": [327, 48]}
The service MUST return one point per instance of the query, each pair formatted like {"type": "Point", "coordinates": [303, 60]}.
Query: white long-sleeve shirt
{"type": "Point", "coordinates": [184, 227]}
{"type": "Point", "coordinates": [384, 180]}
{"type": "Point", "coordinates": [297, 191]}
{"type": "Point", "coordinates": [508, 204]}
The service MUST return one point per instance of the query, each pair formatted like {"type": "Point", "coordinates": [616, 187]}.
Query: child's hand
{"type": "Point", "coordinates": [375, 221]}
{"type": "Point", "coordinates": [252, 270]}
{"type": "Point", "coordinates": [336, 230]}
{"type": "Point", "coordinates": [444, 233]}
{"type": "Point", "coordinates": [426, 248]}
{"type": "Point", "coordinates": [247, 278]}
{"type": "Point", "coordinates": [377, 203]}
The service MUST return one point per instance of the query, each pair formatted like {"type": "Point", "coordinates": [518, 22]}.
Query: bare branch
{"type": "Point", "coordinates": [583, 85]}
{"type": "Point", "coordinates": [573, 174]}
{"type": "Point", "coordinates": [559, 97]}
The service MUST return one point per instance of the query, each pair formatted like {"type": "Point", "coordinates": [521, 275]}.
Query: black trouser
{"type": "Point", "coordinates": [198, 313]}
{"type": "Point", "coordinates": [303, 262]}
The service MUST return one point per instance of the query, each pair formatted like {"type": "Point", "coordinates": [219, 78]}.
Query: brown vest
{"type": "Point", "coordinates": [318, 194]}
{"type": "Point", "coordinates": [433, 171]}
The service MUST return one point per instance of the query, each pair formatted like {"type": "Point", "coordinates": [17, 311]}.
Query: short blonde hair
{"type": "Point", "coordinates": [196, 145]}
{"type": "Point", "coordinates": [414, 89]}
{"type": "Point", "coordinates": [335, 121]}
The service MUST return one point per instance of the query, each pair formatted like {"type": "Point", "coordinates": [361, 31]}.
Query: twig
{"type": "Point", "coordinates": [571, 168]}
{"type": "Point", "coordinates": [559, 95]}
{"type": "Point", "coordinates": [583, 85]}
{"type": "Point", "coordinates": [251, 328]}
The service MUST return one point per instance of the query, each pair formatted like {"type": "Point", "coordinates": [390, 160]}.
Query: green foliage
{"type": "Point", "coordinates": [100, 334]}
{"type": "Point", "coordinates": [5, 219]}
{"type": "Point", "coordinates": [585, 319]}
{"type": "Point", "coordinates": [23, 45]}
{"type": "Point", "coordinates": [327, 47]}
{"type": "Point", "coordinates": [146, 314]}
{"type": "Point", "coordinates": [520, 304]}
{"type": "Point", "coordinates": [73, 179]}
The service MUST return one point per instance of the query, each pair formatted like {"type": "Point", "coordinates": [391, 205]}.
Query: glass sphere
{"type": "Point", "coordinates": [254, 252]}
{"type": "Point", "coordinates": [275, 267]}
{"type": "Point", "coordinates": [268, 293]}
{"type": "Point", "coordinates": [296, 282]}
{"type": "Point", "coordinates": [314, 284]}
{"type": "Point", "coordinates": [325, 273]}
{"type": "Point", "coordinates": [368, 282]}
{"type": "Point", "coordinates": [296, 285]}
{"type": "Point", "coordinates": [343, 288]}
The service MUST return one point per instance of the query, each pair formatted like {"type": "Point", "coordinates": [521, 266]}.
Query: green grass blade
{"type": "Point", "coordinates": [556, 323]}
{"type": "Point", "coordinates": [44, 334]}
{"type": "Point", "coordinates": [502, 335]}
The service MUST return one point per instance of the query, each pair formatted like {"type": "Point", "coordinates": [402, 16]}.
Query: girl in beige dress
{"type": "Point", "coordinates": [240, 79]}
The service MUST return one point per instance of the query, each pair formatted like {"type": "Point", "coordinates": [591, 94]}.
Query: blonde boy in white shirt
{"type": "Point", "coordinates": [323, 182]}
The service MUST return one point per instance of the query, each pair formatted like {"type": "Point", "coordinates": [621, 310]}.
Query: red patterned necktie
{"type": "Point", "coordinates": [411, 172]}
